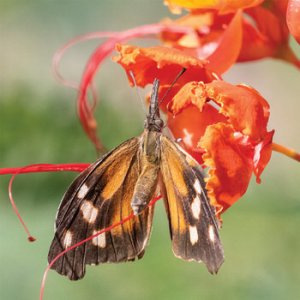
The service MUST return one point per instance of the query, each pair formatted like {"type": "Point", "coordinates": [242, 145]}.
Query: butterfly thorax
{"type": "Point", "coordinates": [151, 146]}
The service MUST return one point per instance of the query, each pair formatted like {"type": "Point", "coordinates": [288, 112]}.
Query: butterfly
{"type": "Point", "coordinates": [124, 181]}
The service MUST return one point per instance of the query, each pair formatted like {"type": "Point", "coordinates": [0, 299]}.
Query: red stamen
{"type": "Point", "coordinates": [35, 168]}
{"type": "Point", "coordinates": [30, 237]}
{"type": "Point", "coordinates": [85, 109]}
{"type": "Point", "coordinates": [137, 32]}
{"type": "Point", "coordinates": [152, 202]}
{"type": "Point", "coordinates": [61, 52]}
{"type": "Point", "coordinates": [79, 167]}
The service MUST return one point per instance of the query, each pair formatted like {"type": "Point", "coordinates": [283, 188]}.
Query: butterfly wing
{"type": "Point", "coordinates": [193, 227]}
{"type": "Point", "coordinates": [98, 198]}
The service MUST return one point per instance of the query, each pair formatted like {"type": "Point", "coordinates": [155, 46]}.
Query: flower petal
{"type": "Point", "coordinates": [215, 38]}
{"type": "Point", "coordinates": [255, 44]}
{"type": "Point", "coordinates": [158, 62]}
{"type": "Point", "coordinates": [245, 108]}
{"type": "Point", "coordinates": [190, 125]}
{"type": "Point", "coordinates": [267, 34]}
{"type": "Point", "coordinates": [162, 63]}
{"type": "Point", "coordinates": [220, 5]}
{"type": "Point", "coordinates": [230, 165]}
{"type": "Point", "coordinates": [229, 46]}
{"type": "Point", "coordinates": [191, 93]}
{"type": "Point", "coordinates": [269, 23]}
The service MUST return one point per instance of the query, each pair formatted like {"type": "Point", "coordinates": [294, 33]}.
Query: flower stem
{"type": "Point", "coordinates": [286, 151]}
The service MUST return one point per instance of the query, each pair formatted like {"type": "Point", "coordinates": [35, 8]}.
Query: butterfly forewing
{"type": "Point", "coordinates": [97, 199]}
{"type": "Point", "coordinates": [193, 228]}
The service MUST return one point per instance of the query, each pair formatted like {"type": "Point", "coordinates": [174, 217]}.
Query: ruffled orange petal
{"type": "Point", "coordinates": [191, 93]}
{"type": "Point", "coordinates": [159, 62]}
{"type": "Point", "coordinates": [162, 63]}
{"type": "Point", "coordinates": [190, 125]}
{"type": "Point", "coordinates": [230, 165]}
{"type": "Point", "coordinates": [244, 107]}
{"type": "Point", "coordinates": [223, 7]}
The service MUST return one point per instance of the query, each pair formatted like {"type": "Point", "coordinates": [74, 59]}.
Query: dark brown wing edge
{"type": "Point", "coordinates": [192, 238]}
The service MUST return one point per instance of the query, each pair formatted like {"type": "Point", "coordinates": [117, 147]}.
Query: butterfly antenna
{"type": "Point", "coordinates": [137, 91]}
{"type": "Point", "coordinates": [171, 86]}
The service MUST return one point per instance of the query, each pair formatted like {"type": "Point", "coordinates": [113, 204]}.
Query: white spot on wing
{"type": "Point", "coordinates": [89, 211]}
{"type": "Point", "coordinates": [196, 207]}
{"type": "Point", "coordinates": [68, 239]}
{"type": "Point", "coordinates": [99, 240]}
{"type": "Point", "coordinates": [211, 233]}
{"type": "Point", "coordinates": [83, 191]}
{"type": "Point", "coordinates": [197, 186]}
{"type": "Point", "coordinates": [193, 235]}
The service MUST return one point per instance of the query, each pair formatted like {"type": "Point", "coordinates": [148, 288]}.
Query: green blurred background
{"type": "Point", "coordinates": [39, 125]}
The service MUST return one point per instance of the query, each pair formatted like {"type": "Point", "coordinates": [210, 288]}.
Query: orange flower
{"type": "Point", "coordinates": [260, 32]}
{"type": "Point", "coordinates": [230, 136]}
{"type": "Point", "coordinates": [235, 144]}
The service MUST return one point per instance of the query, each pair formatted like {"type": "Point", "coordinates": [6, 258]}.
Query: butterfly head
{"type": "Point", "coordinates": [153, 121]}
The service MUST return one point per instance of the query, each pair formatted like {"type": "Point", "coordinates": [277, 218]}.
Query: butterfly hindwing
{"type": "Point", "coordinates": [193, 227]}
{"type": "Point", "coordinates": [97, 199]}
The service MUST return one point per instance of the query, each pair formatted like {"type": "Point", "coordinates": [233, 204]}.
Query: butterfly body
{"type": "Point", "coordinates": [124, 181]}
{"type": "Point", "coordinates": [146, 184]}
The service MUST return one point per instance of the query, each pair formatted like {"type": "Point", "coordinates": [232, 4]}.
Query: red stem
{"type": "Point", "coordinates": [85, 110]}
